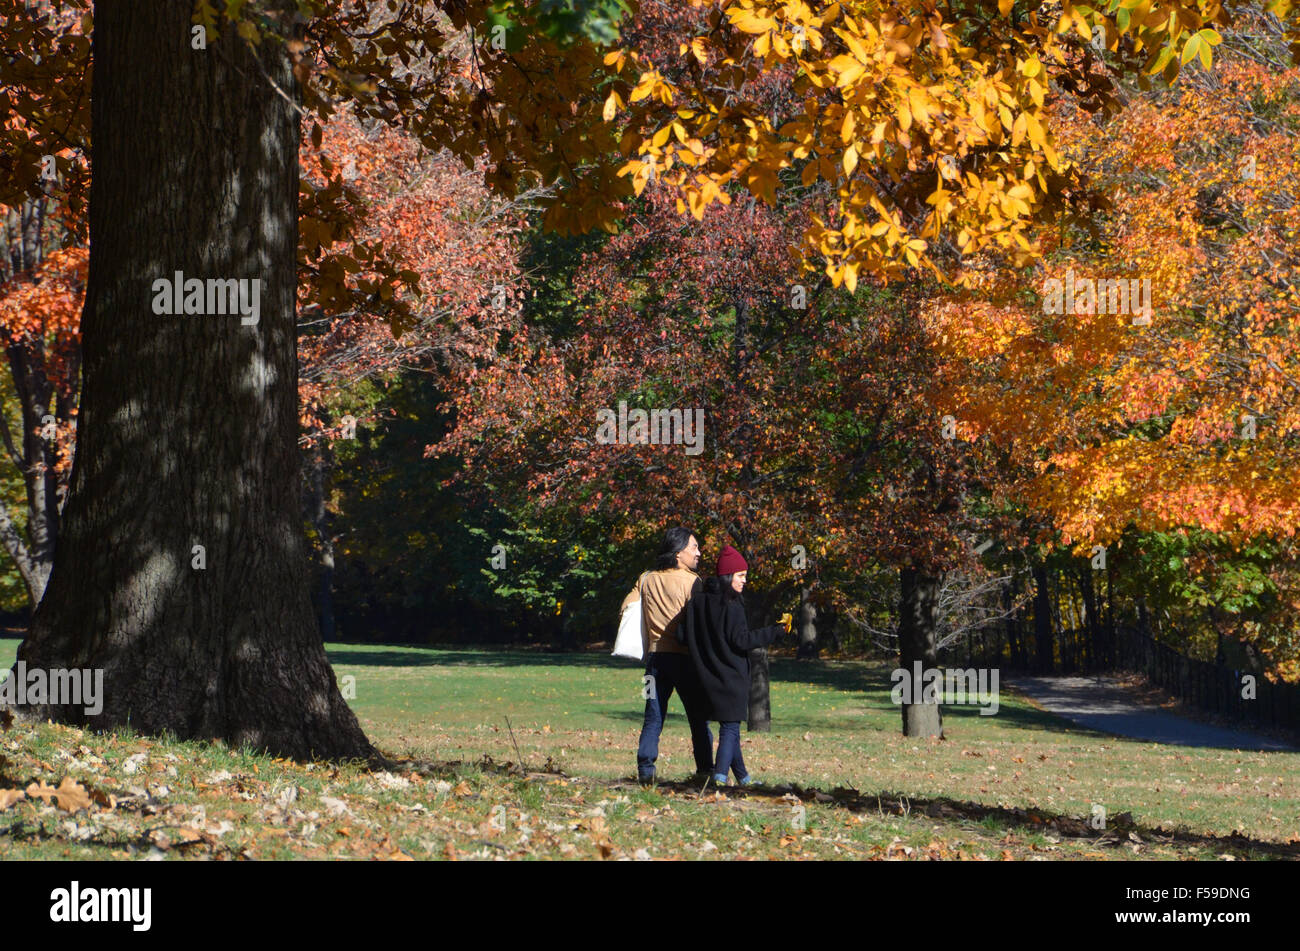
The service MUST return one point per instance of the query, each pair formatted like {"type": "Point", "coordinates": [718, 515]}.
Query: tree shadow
{"type": "Point", "coordinates": [475, 657]}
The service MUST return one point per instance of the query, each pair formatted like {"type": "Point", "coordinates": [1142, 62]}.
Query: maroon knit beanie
{"type": "Point", "coordinates": [730, 561]}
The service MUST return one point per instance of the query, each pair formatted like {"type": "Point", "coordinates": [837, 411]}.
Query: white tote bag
{"type": "Point", "coordinates": [630, 642]}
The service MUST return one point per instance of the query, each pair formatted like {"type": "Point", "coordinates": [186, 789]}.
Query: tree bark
{"type": "Point", "coordinates": [188, 424]}
{"type": "Point", "coordinates": [1043, 662]}
{"type": "Point", "coordinates": [1112, 636]}
{"type": "Point", "coordinates": [320, 517]}
{"type": "Point", "coordinates": [41, 395]}
{"type": "Point", "coordinates": [918, 606]}
{"type": "Point", "coordinates": [1096, 650]}
{"type": "Point", "coordinates": [1012, 624]}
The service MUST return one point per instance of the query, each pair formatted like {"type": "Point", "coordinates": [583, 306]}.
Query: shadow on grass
{"type": "Point", "coordinates": [953, 719]}
{"type": "Point", "coordinates": [1120, 828]}
{"type": "Point", "coordinates": [479, 657]}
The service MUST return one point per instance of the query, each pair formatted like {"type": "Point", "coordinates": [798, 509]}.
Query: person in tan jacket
{"type": "Point", "coordinates": [664, 593]}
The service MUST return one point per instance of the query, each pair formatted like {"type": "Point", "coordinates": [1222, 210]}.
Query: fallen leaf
{"type": "Point", "coordinates": [185, 835]}
{"type": "Point", "coordinates": [71, 796]}
{"type": "Point", "coordinates": [39, 790]}
{"type": "Point", "coordinates": [10, 796]}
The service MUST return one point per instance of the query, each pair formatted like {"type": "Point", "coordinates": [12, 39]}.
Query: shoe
{"type": "Point", "coordinates": [646, 779]}
{"type": "Point", "coordinates": [719, 779]}
{"type": "Point", "coordinates": [699, 778]}
{"type": "Point", "coordinates": [747, 781]}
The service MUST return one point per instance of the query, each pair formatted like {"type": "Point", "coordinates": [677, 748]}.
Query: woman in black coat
{"type": "Point", "coordinates": [714, 630]}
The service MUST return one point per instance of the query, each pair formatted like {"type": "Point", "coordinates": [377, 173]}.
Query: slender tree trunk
{"type": "Point", "coordinates": [1011, 623]}
{"type": "Point", "coordinates": [188, 424]}
{"type": "Point", "coordinates": [1042, 620]}
{"type": "Point", "coordinates": [829, 631]}
{"type": "Point", "coordinates": [807, 623]}
{"type": "Point", "coordinates": [40, 400]}
{"type": "Point", "coordinates": [1112, 636]}
{"type": "Point", "coordinates": [319, 510]}
{"type": "Point", "coordinates": [1096, 650]}
{"type": "Point", "coordinates": [918, 606]}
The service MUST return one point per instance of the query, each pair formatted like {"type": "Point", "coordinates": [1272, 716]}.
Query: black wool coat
{"type": "Point", "coordinates": [715, 632]}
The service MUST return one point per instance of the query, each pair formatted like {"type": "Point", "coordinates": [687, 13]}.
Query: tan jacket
{"type": "Point", "coordinates": [666, 594]}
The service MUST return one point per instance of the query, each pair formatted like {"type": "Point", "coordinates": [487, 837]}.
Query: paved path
{"type": "Point", "coordinates": [1101, 703]}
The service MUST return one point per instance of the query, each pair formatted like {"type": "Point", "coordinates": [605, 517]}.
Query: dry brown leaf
{"type": "Point", "coordinates": [40, 790]}
{"type": "Point", "coordinates": [462, 788]}
{"type": "Point", "coordinates": [10, 796]}
{"type": "Point", "coordinates": [71, 796]}
{"type": "Point", "coordinates": [160, 839]}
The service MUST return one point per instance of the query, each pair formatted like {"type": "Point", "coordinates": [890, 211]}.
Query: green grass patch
{"type": "Point", "coordinates": [481, 734]}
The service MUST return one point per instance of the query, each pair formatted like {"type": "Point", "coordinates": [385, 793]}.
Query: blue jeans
{"type": "Point", "coordinates": [729, 751]}
{"type": "Point", "coordinates": [673, 672]}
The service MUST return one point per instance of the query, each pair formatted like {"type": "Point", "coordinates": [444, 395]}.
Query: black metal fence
{"type": "Point", "coordinates": [1214, 688]}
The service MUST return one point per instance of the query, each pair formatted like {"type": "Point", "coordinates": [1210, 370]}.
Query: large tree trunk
{"type": "Point", "coordinates": [918, 606]}
{"type": "Point", "coordinates": [188, 424]}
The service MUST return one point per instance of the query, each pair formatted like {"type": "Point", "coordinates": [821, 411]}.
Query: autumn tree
{"type": "Point", "coordinates": [1162, 423]}
{"type": "Point", "coordinates": [442, 223]}
{"type": "Point", "coordinates": [933, 147]}
{"type": "Point", "coordinates": [181, 570]}
{"type": "Point", "coordinates": [42, 276]}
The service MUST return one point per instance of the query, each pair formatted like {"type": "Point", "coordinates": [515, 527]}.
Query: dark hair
{"type": "Point", "coordinates": [728, 592]}
{"type": "Point", "coordinates": [675, 539]}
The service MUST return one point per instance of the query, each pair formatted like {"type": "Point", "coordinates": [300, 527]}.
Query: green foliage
{"type": "Point", "coordinates": [567, 20]}
{"type": "Point", "coordinates": [414, 557]}
{"type": "Point", "coordinates": [1198, 587]}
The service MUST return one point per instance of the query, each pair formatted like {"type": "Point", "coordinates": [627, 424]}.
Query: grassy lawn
{"type": "Point", "coordinates": [1020, 784]}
